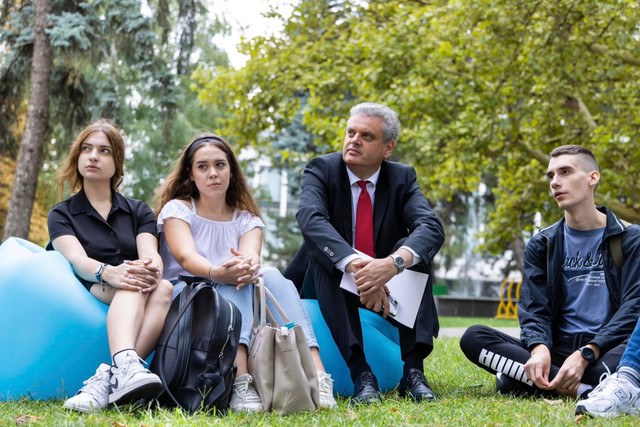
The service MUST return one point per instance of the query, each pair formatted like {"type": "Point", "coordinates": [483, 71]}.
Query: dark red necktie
{"type": "Point", "coordinates": [364, 221]}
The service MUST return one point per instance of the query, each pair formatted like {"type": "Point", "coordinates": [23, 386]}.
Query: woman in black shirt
{"type": "Point", "coordinates": [111, 243]}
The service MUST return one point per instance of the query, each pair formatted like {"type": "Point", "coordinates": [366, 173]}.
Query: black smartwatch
{"type": "Point", "coordinates": [398, 261]}
{"type": "Point", "coordinates": [587, 353]}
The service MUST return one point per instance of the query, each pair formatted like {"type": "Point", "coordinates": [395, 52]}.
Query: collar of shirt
{"type": "Point", "coordinates": [373, 180]}
{"type": "Point", "coordinates": [79, 203]}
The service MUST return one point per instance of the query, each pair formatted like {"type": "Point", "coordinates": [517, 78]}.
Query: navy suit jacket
{"type": "Point", "coordinates": [401, 216]}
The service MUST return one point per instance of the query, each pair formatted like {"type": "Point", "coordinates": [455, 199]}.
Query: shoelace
{"type": "Point", "coordinates": [325, 384]}
{"type": "Point", "coordinates": [96, 385]}
{"type": "Point", "coordinates": [604, 375]}
{"type": "Point", "coordinates": [414, 376]}
{"type": "Point", "coordinates": [611, 383]}
{"type": "Point", "coordinates": [244, 387]}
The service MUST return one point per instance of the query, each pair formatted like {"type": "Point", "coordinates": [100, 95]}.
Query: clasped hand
{"type": "Point", "coordinates": [371, 278]}
{"type": "Point", "coordinates": [138, 275]}
{"type": "Point", "coordinates": [566, 380]}
{"type": "Point", "coordinates": [241, 270]}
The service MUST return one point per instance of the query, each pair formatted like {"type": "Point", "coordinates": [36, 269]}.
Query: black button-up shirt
{"type": "Point", "coordinates": [112, 241]}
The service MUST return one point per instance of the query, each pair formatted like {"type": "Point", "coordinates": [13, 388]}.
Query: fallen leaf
{"type": "Point", "coordinates": [579, 418]}
{"type": "Point", "coordinates": [27, 419]}
{"type": "Point", "coordinates": [553, 402]}
{"type": "Point", "coordinates": [117, 424]}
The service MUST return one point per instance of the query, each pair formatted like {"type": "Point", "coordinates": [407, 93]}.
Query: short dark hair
{"type": "Point", "coordinates": [587, 159]}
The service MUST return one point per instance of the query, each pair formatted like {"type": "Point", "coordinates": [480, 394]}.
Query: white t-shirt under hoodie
{"type": "Point", "coordinates": [213, 239]}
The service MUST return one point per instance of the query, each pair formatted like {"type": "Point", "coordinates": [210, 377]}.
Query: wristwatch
{"type": "Point", "coordinates": [99, 271]}
{"type": "Point", "coordinates": [398, 261]}
{"type": "Point", "coordinates": [587, 353]}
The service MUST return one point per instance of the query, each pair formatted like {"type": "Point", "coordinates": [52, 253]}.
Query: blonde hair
{"type": "Point", "coordinates": [69, 173]}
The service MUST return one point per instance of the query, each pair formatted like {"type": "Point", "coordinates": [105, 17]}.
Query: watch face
{"type": "Point", "coordinates": [588, 353]}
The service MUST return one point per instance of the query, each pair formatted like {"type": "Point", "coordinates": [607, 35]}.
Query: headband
{"type": "Point", "coordinates": [199, 142]}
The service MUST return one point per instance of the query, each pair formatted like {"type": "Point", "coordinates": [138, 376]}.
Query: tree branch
{"type": "Point", "coordinates": [586, 114]}
{"type": "Point", "coordinates": [624, 57]}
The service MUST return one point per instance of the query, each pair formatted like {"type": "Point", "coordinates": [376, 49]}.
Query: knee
{"type": "Point", "coordinates": [271, 273]}
{"type": "Point", "coordinates": [164, 293]}
{"type": "Point", "coordinates": [274, 279]}
{"type": "Point", "coordinates": [469, 340]}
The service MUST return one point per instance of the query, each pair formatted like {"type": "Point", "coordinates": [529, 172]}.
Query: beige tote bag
{"type": "Point", "coordinates": [280, 360]}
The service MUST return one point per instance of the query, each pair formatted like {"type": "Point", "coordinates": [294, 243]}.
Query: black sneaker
{"type": "Point", "coordinates": [509, 386]}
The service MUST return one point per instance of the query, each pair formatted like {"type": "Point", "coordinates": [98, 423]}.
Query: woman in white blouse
{"type": "Point", "coordinates": [210, 227]}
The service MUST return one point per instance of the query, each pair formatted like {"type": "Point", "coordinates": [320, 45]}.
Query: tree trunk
{"type": "Point", "coordinates": [36, 130]}
{"type": "Point", "coordinates": [517, 246]}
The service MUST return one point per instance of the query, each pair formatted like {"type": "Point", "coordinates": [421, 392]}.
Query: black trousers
{"type": "Point", "coordinates": [495, 351]}
{"type": "Point", "coordinates": [340, 310]}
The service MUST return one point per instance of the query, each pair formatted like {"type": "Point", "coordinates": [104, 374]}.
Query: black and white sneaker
{"type": "Point", "coordinates": [509, 386]}
{"type": "Point", "coordinates": [131, 382]}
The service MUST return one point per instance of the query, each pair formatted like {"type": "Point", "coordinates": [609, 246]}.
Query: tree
{"type": "Point", "coordinates": [484, 91]}
{"type": "Point", "coordinates": [30, 157]}
{"type": "Point", "coordinates": [112, 59]}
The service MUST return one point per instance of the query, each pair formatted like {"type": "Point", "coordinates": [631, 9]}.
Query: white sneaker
{"type": "Point", "coordinates": [95, 394]}
{"type": "Point", "coordinates": [612, 397]}
{"type": "Point", "coordinates": [131, 382]}
{"type": "Point", "coordinates": [244, 397]}
{"type": "Point", "coordinates": [325, 384]}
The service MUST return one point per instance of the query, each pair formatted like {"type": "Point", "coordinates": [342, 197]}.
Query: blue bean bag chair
{"type": "Point", "coordinates": [381, 348]}
{"type": "Point", "coordinates": [53, 332]}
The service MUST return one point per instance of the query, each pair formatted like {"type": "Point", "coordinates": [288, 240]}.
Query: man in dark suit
{"type": "Point", "coordinates": [391, 221]}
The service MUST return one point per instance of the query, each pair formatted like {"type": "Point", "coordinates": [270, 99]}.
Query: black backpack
{"type": "Point", "coordinates": [196, 350]}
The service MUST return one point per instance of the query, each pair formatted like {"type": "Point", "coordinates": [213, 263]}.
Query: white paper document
{"type": "Point", "coordinates": [407, 288]}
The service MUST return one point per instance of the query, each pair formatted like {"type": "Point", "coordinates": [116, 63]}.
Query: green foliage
{"type": "Point", "coordinates": [114, 59]}
{"type": "Point", "coordinates": [484, 91]}
{"type": "Point", "coordinates": [283, 245]}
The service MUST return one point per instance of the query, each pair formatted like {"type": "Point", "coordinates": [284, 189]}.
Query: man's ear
{"type": "Point", "coordinates": [389, 147]}
{"type": "Point", "coordinates": [594, 178]}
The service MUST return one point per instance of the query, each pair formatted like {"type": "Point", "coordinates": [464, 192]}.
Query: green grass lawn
{"type": "Point", "coordinates": [465, 322]}
{"type": "Point", "coordinates": [466, 397]}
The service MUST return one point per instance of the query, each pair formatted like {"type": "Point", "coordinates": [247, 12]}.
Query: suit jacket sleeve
{"type": "Point", "coordinates": [324, 243]}
{"type": "Point", "coordinates": [426, 234]}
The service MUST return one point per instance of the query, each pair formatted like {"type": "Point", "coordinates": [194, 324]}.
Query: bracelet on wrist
{"type": "Point", "coordinates": [210, 273]}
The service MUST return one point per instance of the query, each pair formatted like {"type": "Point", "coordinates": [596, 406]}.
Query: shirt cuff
{"type": "Point", "coordinates": [416, 257]}
{"type": "Point", "coordinates": [340, 265]}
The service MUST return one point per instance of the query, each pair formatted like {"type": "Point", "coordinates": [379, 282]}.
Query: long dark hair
{"type": "Point", "coordinates": [178, 184]}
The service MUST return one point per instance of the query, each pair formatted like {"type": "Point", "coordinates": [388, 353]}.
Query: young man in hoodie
{"type": "Point", "coordinates": [579, 300]}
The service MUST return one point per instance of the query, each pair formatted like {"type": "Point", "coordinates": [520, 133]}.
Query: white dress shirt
{"type": "Point", "coordinates": [372, 182]}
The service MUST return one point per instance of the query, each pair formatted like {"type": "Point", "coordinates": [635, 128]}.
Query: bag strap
{"type": "Point", "coordinates": [260, 309]}
{"type": "Point", "coordinates": [184, 342]}
{"type": "Point", "coordinates": [161, 373]}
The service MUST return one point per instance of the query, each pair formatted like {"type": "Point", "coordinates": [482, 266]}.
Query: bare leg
{"type": "Point", "coordinates": [124, 319]}
{"type": "Point", "coordinates": [155, 313]}
{"type": "Point", "coordinates": [315, 355]}
{"type": "Point", "coordinates": [241, 360]}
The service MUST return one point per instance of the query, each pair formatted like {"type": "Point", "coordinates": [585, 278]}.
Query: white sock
{"type": "Point", "coordinates": [583, 388]}
{"type": "Point", "coordinates": [120, 356]}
